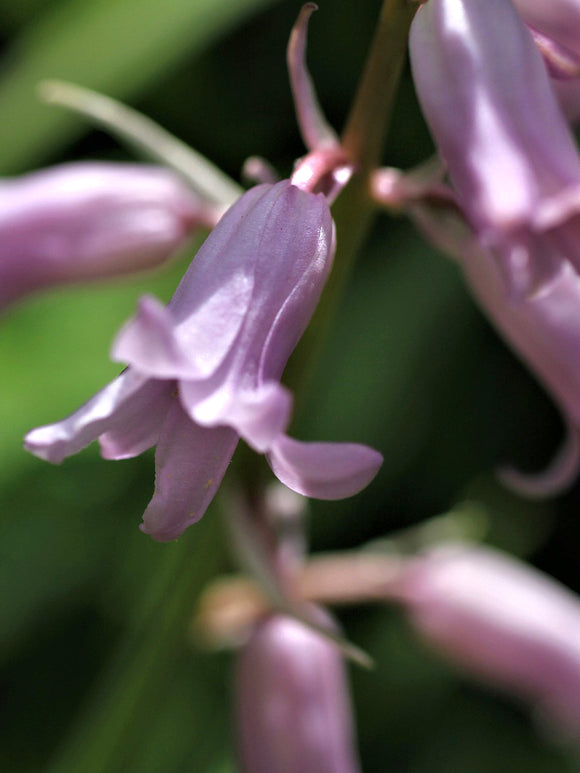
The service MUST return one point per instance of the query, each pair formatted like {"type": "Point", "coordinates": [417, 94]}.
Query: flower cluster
{"type": "Point", "coordinates": [499, 85]}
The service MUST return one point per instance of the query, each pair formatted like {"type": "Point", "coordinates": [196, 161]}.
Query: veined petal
{"type": "Point", "coordinates": [212, 300]}
{"type": "Point", "coordinates": [297, 255]}
{"type": "Point", "coordinates": [189, 466]}
{"type": "Point", "coordinates": [323, 470]}
{"type": "Point", "coordinates": [119, 401]}
{"type": "Point", "coordinates": [258, 415]}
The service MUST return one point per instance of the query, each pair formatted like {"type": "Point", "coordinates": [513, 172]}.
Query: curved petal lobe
{"type": "Point", "coordinates": [323, 470]}
{"type": "Point", "coordinates": [189, 466]}
{"type": "Point", "coordinates": [54, 442]}
{"type": "Point", "coordinates": [556, 478]}
{"type": "Point", "coordinates": [258, 415]}
{"type": "Point", "coordinates": [137, 430]}
{"type": "Point", "coordinates": [148, 343]}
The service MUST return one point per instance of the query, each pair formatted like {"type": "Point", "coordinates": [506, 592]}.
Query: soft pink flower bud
{"type": "Point", "coordinates": [489, 102]}
{"type": "Point", "coordinates": [502, 621]}
{"type": "Point", "coordinates": [86, 221]}
{"type": "Point", "coordinates": [292, 703]}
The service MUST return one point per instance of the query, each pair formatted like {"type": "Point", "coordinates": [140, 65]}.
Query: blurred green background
{"type": "Point", "coordinates": [98, 672]}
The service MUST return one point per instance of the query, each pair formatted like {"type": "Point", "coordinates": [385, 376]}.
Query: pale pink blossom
{"type": "Point", "coordinates": [205, 370]}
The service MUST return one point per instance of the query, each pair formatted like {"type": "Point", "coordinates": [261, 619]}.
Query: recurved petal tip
{"type": "Point", "coordinates": [324, 470]}
{"type": "Point", "coordinates": [189, 466]}
{"type": "Point", "coordinates": [555, 479]}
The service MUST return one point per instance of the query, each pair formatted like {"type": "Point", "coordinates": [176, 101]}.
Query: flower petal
{"type": "Point", "coordinates": [190, 464]}
{"type": "Point", "coordinates": [54, 442]}
{"type": "Point", "coordinates": [148, 343]}
{"type": "Point", "coordinates": [323, 470]}
{"type": "Point", "coordinates": [138, 429]}
{"type": "Point", "coordinates": [258, 415]}
{"type": "Point", "coordinates": [556, 478]}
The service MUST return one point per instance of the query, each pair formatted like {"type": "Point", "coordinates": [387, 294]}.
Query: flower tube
{"type": "Point", "coordinates": [502, 621]}
{"type": "Point", "coordinates": [512, 160]}
{"type": "Point", "coordinates": [205, 370]}
{"type": "Point", "coordinates": [85, 221]}
{"type": "Point", "coordinates": [292, 703]}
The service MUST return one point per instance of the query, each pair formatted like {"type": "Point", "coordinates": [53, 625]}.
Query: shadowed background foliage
{"type": "Point", "coordinates": [98, 671]}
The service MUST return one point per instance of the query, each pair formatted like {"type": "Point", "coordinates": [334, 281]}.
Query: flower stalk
{"type": "Point", "coordinates": [362, 143]}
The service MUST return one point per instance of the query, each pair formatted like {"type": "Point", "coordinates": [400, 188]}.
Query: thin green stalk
{"type": "Point", "coordinates": [363, 140]}
{"type": "Point", "coordinates": [120, 708]}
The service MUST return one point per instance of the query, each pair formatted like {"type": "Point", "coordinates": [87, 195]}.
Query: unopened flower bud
{"type": "Point", "coordinates": [502, 621]}
{"type": "Point", "coordinates": [292, 704]}
{"type": "Point", "coordinates": [85, 221]}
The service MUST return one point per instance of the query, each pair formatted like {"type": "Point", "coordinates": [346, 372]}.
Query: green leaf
{"type": "Point", "coordinates": [119, 47]}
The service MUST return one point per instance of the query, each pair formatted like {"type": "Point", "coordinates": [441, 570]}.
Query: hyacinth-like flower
{"type": "Point", "coordinates": [511, 158]}
{"type": "Point", "coordinates": [544, 331]}
{"type": "Point", "coordinates": [84, 221]}
{"type": "Point", "coordinates": [555, 26]}
{"type": "Point", "coordinates": [502, 621]}
{"type": "Point", "coordinates": [292, 703]}
{"type": "Point", "coordinates": [205, 370]}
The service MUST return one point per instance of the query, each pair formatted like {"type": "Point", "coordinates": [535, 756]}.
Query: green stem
{"type": "Point", "coordinates": [119, 711]}
{"type": "Point", "coordinates": [363, 140]}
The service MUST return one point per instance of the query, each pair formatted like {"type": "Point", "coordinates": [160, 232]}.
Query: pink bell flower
{"type": "Point", "coordinates": [293, 710]}
{"type": "Point", "coordinates": [510, 156]}
{"type": "Point", "coordinates": [502, 621]}
{"type": "Point", "coordinates": [543, 329]}
{"type": "Point", "coordinates": [205, 370]}
{"type": "Point", "coordinates": [85, 221]}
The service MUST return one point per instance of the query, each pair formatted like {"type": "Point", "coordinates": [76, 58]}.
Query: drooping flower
{"type": "Point", "coordinates": [543, 329]}
{"type": "Point", "coordinates": [511, 158]}
{"type": "Point", "coordinates": [292, 704]}
{"type": "Point", "coordinates": [84, 221]}
{"type": "Point", "coordinates": [502, 621]}
{"type": "Point", "coordinates": [205, 370]}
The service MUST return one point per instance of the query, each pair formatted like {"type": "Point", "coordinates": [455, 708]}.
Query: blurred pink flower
{"type": "Point", "coordinates": [502, 621]}
{"type": "Point", "coordinates": [79, 222]}
{"type": "Point", "coordinates": [511, 158]}
{"type": "Point", "coordinates": [292, 703]}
